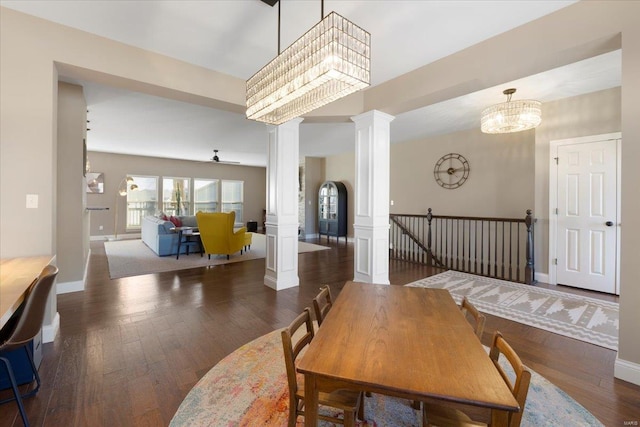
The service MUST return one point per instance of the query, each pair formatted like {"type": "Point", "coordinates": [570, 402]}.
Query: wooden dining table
{"type": "Point", "coordinates": [406, 342]}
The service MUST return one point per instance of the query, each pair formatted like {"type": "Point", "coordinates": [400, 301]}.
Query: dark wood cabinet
{"type": "Point", "coordinates": [332, 209]}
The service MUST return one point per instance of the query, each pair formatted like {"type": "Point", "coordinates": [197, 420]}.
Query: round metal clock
{"type": "Point", "coordinates": [451, 170]}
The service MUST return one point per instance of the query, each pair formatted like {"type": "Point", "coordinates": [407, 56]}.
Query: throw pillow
{"type": "Point", "coordinates": [176, 221]}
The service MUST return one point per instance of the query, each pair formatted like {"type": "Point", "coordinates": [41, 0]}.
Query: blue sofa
{"type": "Point", "coordinates": [157, 234]}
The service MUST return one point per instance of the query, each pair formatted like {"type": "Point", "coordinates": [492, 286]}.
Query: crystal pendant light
{"type": "Point", "coordinates": [511, 116]}
{"type": "Point", "coordinates": [328, 62]}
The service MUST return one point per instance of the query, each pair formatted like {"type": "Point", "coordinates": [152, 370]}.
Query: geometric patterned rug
{"type": "Point", "coordinates": [583, 318]}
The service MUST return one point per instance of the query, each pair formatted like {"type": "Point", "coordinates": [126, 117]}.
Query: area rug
{"type": "Point", "coordinates": [133, 258]}
{"type": "Point", "coordinates": [582, 318]}
{"type": "Point", "coordinates": [249, 388]}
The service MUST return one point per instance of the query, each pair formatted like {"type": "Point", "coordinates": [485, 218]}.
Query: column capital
{"type": "Point", "coordinates": [373, 115]}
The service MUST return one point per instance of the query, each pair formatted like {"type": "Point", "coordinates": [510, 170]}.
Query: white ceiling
{"type": "Point", "coordinates": [238, 37]}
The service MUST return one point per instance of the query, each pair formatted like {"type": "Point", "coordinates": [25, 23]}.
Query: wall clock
{"type": "Point", "coordinates": [451, 171]}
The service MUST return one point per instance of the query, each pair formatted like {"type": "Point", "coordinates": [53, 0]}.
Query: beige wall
{"type": "Point", "coordinates": [592, 114]}
{"type": "Point", "coordinates": [500, 180]}
{"type": "Point", "coordinates": [28, 91]}
{"type": "Point", "coordinates": [117, 166]}
{"type": "Point", "coordinates": [342, 168]}
{"type": "Point", "coordinates": [32, 51]}
{"type": "Point", "coordinates": [72, 219]}
{"type": "Point", "coordinates": [629, 350]}
{"type": "Point", "coordinates": [314, 177]}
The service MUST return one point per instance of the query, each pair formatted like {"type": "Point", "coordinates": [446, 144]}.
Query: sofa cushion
{"type": "Point", "coordinates": [188, 221]}
{"type": "Point", "coordinates": [176, 221]}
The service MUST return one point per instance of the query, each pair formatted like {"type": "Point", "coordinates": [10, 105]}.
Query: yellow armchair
{"type": "Point", "coordinates": [217, 235]}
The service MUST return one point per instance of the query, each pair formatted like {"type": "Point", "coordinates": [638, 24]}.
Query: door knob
{"type": "Point", "coordinates": [608, 223]}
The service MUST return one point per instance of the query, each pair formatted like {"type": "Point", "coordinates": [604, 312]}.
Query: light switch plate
{"type": "Point", "coordinates": [32, 201]}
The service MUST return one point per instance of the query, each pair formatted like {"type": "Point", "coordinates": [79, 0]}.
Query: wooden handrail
{"type": "Point", "coordinates": [484, 218]}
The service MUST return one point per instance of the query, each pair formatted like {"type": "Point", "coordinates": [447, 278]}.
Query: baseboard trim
{"type": "Point", "coordinates": [627, 371]}
{"type": "Point", "coordinates": [110, 237]}
{"type": "Point", "coordinates": [67, 287]}
{"type": "Point", "coordinates": [49, 332]}
{"type": "Point", "coordinates": [542, 277]}
{"type": "Point", "coordinates": [278, 285]}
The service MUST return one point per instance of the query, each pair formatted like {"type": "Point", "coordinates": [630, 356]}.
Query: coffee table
{"type": "Point", "coordinates": [188, 234]}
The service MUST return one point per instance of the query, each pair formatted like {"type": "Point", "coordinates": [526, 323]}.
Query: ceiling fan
{"type": "Point", "coordinates": [216, 159]}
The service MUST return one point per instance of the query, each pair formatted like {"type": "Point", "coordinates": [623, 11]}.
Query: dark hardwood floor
{"type": "Point", "coordinates": [129, 350]}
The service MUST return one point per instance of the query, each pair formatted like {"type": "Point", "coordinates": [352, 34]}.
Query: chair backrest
{"type": "Point", "coordinates": [292, 349]}
{"type": "Point", "coordinates": [28, 320]}
{"type": "Point", "coordinates": [322, 304]}
{"type": "Point", "coordinates": [520, 386]}
{"type": "Point", "coordinates": [216, 224]}
{"type": "Point", "coordinates": [216, 232]}
{"type": "Point", "coordinates": [478, 317]}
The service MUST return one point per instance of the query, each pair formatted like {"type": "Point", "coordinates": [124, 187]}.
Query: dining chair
{"type": "Point", "coordinates": [295, 338]}
{"type": "Point", "coordinates": [22, 328]}
{"type": "Point", "coordinates": [322, 303]}
{"type": "Point", "coordinates": [467, 307]}
{"type": "Point", "coordinates": [436, 414]}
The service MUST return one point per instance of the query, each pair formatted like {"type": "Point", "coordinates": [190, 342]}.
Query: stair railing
{"type": "Point", "coordinates": [493, 247]}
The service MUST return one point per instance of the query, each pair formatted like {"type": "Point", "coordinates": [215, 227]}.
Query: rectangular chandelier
{"type": "Point", "coordinates": [330, 61]}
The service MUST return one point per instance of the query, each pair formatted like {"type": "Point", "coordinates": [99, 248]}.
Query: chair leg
{"type": "Point", "coordinates": [35, 373]}
{"type": "Point", "coordinates": [361, 407]}
{"type": "Point", "coordinates": [425, 420]}
{"type": "Point", "coordinates": [34, 369]}
{"type": "Point", "coordinates": [16, 392]}
{"type": "Point", "coordinates": [293, 413]}
{"type": "Point", "coordinates": [349, 419]}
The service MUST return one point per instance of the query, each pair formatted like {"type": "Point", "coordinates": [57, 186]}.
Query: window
{"type": "Point", "coordinates": [142, 201]}
{"type": "Point", "coordinates": [233, 198]}
{"type": "Point", "coordinates": [176, 197]}
{"type": "Point", "coordinates": [205, 195]}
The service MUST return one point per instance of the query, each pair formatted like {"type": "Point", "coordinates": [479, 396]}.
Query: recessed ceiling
{"type": "Point", "coordinates": [238, 37]}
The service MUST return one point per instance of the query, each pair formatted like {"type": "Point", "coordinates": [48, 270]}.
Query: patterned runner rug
{"type": "Point", "coordinates": [249, 388]}
{"type": "Point", "coordinates": [583, 318]}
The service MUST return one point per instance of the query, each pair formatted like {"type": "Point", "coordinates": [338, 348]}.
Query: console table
{"type": "Point", "coordinates": [16, 275]}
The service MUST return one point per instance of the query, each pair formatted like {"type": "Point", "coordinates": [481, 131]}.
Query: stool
{"type": "Point", "coordinates": [247, 240]}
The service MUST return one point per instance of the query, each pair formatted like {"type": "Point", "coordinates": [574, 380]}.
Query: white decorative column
{"type": "Point", "coordinates": [371, 217]}
{"type": "Point", "coordinates": [281, 270]}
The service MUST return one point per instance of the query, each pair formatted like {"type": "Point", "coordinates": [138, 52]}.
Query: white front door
{"type": "Point", "coordinates": [587, 215]}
